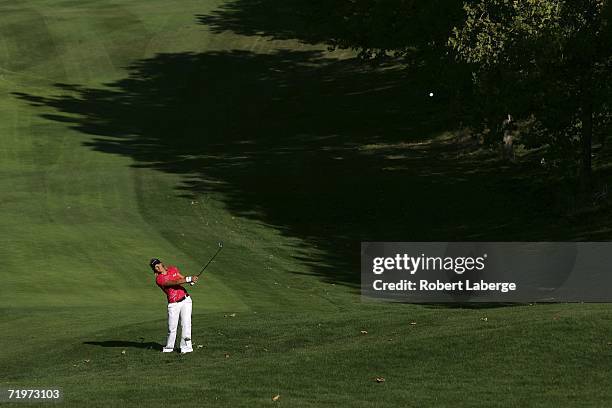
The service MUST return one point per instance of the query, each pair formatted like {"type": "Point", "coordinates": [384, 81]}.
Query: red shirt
{"type": "Point", "coordinates": [173, 293]}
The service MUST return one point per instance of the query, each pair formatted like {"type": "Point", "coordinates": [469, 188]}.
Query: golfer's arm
{"type": "Point", "coordinates": [175, 282]}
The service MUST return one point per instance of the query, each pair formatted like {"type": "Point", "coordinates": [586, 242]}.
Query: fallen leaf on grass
{"type": "Point", "coordinates": [200, 345]}
{"type": "Point", "coordinates": [380, 379]}
{"type": "Point", "coordinates": [123, 351]}
{"type": "Point", "coordinates": [413, 323]}
{"type": "Point", "coordinates": [276, 397]}
{"type": "Point", "coordinates": [227, 355]}
{"type": "Point", "coordinates": [484, 319]}
{"type": "Point", "coordinates": [86, 361]}
{"type": "Point", "coordinates": [364, 332]}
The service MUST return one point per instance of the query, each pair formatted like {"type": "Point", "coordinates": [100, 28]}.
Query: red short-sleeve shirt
{"type": "Point", "coordinates": [173, 293]}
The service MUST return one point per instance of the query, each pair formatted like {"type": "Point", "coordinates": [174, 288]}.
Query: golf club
{"type": "Point", "coordinates": [220, 244]}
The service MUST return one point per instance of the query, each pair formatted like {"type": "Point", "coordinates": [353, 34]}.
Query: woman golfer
{"type": "Point", "coordinates": [179, 303]}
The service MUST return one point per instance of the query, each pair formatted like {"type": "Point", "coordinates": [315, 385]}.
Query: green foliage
{"type": "Point", "coordinates": [550, 59]}
{"type": "Point", "coordinates": [498, 31]}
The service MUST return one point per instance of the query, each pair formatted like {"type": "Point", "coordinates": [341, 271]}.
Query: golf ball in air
{"type": "Point", "coordinates": [430, 94]}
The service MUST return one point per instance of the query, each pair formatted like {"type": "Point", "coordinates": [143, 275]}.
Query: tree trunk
{"type": "Point", "coordinates": [587, 137]}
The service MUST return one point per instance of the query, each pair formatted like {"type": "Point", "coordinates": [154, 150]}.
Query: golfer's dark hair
{"type": "Point", "coordinates": [153, 262]}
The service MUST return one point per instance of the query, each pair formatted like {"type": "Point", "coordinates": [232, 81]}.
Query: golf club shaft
{"type": "Point", "coordinates": [208, 263]}
{"type": "Point", "coordinates": [211, 259]}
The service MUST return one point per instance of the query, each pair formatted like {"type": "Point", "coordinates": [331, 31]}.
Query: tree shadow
{"type": "Point", "coordinates": [125, 344]}
{"type": "Point", "coordinates": [392, 24]}
{"type": "Point", "coordinates": [414, 33]}
{"type": "Point", "coordinates": [327, 151]}
{"type": "Point", "coordinates": [310, 22]}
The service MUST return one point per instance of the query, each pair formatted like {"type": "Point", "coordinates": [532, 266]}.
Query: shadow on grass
{"type": "Point", "coordinates": [125, 344]}
{"type": "Point", "coordinates": [327, 151]}
{"type": "Point", "coordinates": [419, 31]}
{"type": "Point", "coordinates": [388, 25]}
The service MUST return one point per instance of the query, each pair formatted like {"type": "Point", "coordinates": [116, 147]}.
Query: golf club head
{"type": "Point", "coordinates": [220, 244]}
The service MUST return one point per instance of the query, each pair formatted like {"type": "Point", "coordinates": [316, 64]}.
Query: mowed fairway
{"type": "Point", "coordinates": [131, 129]}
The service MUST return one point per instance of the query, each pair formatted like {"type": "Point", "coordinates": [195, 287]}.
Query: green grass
{"type": "Point", "coordinates": [527, 355]}
{"type": "Point", "coordinates": [129, 130]}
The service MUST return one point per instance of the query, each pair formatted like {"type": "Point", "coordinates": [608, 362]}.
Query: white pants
{"type": "Point", "coordinates": [182, 310]}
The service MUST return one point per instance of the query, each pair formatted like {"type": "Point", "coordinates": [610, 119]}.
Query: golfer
{"type": "Point", "coordinates": [179, 303]}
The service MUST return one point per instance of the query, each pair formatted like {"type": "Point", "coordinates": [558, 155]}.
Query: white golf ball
{"type": "Point", "coordinates": [430, 94]}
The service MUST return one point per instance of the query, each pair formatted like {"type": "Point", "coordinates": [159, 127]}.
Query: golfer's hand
{"type": "Point", "coordinates": [194, 278]}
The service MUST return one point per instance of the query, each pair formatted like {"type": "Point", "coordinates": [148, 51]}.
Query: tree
{"type": "Point", "coordinates": [548, 59]}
